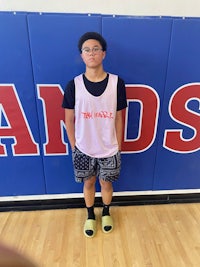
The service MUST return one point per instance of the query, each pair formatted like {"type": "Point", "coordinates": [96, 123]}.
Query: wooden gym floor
{"type": "Point", "coordinates": [144, 236]}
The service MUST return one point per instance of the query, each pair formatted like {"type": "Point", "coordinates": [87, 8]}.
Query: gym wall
{"type": "Point", "coordinates": [159, 60]}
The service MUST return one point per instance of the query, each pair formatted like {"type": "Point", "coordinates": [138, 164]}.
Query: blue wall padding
{"type": "Point", "coordinates": [56, 60]}
{"type": "Point", "coordinates": [159, 60]}
{"type": "Point", "coordinates": [19, 175]}
{"type": "Point", "coordinates": [180, 170]}
{"type": "Point", "coordinates": [139, 50]}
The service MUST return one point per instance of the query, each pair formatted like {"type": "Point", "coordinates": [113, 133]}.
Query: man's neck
{"type": "Point", "coordinates": [94, 75]}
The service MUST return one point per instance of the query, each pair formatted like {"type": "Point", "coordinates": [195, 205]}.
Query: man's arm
{"type": "Point", "coordinates": [119, 127]}
{"type": "Point", "coordinates": [70, 126]}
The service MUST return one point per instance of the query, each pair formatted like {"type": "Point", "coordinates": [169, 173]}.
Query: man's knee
{"type": "Point", "coordinates": [106, 185]}
{"type": "Point", "coordinates": [89, 183]}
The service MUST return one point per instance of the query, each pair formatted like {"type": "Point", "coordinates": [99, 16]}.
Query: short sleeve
{"type": "Point", "coordinates": [69, 96]}
{"type": "Point", "coordinates": [121, 95]}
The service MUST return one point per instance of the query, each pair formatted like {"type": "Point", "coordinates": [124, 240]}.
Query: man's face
{"type": "Point", "coordinates": [92, 53]}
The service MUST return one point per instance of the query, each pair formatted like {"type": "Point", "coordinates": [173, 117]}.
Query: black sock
{"type": "Point", "coordinates": [105, 210]}
{"type": "Point", "coordinates": [91, 214]}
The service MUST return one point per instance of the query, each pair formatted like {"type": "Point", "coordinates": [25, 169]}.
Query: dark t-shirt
{"type": "Point", "coordinates": [96, 89]}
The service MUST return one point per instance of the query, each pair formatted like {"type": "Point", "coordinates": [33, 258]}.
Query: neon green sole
{"type": "Point", "coordinates": [107, 221]}
{"type": "Point", "coordinates": [90, 225]}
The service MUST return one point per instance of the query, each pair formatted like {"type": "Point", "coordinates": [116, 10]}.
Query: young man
{"type": "Point", "coordinates": [93, 104]}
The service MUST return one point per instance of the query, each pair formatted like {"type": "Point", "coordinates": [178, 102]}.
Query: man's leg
{"type": "Point", "coordinates": [106, 192]}
{"type": "Point", "coordinates": [84, 167]}
{"type": "Point", "coordinates": [109, 172]}
{"type": "Point", "coordinates": [89, 195]}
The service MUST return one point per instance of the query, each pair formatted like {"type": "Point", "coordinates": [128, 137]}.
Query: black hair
{"type": "Point", "coordinates": [92, 35]}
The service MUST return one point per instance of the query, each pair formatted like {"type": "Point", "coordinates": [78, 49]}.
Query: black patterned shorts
{"type": "Point", "coordinates": [107, 169]}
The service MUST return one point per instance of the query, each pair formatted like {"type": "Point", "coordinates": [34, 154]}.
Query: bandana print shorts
{"type": "Point", "coordinates": [85, 166]}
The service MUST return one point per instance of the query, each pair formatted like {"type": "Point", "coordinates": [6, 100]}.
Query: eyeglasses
{"type": "Point", "coordinates": [94, 50]}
